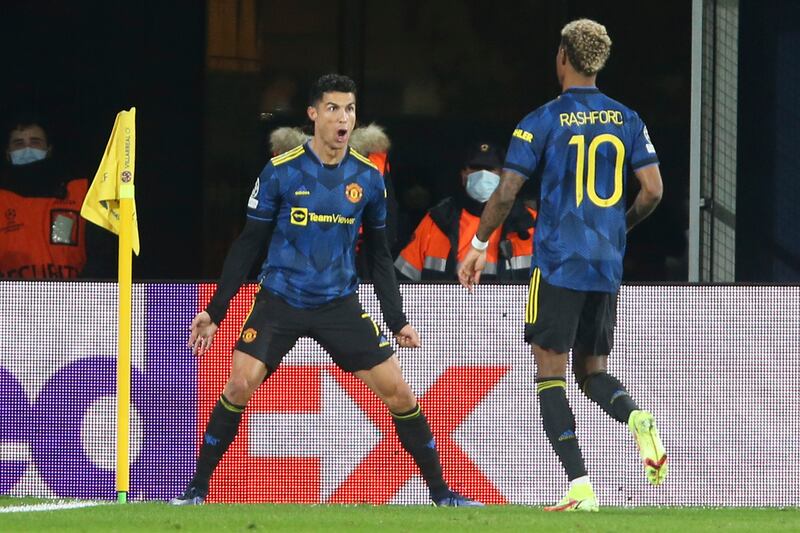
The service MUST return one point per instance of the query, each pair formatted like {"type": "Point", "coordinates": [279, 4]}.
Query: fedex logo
{"type": "Point", "coordinates": [313, 433]}
{"type": "Point", "coordinates": [316, 434]}
{"type": "Point", "coordinates": [57, 436]}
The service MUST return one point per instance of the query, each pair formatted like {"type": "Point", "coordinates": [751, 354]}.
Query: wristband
{"type": "Point", "coordinates": [479, 244]}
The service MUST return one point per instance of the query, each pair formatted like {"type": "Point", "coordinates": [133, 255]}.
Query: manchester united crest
{"type": "Point", "coordinates": [354, 192]}
{"type": "Point", "coordinates": [249, 335]}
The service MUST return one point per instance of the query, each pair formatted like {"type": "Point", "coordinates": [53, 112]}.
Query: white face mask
{"type": "Point", "coordinates": [481, 185]}
{"type": "Point", "coordinates": [27, 155]}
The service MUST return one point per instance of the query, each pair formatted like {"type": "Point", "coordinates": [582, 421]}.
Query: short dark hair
{"type": "Point", "coordinates": [23, 120]}
{"type": "Point", "coordinates": [330, 83]}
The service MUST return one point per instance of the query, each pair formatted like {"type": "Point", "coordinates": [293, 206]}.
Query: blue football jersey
{"type": "Point", "coordinates": [317, 212]}
{"type": "Point", "coordinates": [581, 147]}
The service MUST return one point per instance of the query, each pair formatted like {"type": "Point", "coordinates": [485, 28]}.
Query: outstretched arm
{"type": "Point", "coordinates": [245, 249]}
{"type": "Point", "coordinates": [495, 212]}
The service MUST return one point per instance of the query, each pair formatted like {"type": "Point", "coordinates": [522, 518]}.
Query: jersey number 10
{"type": "Point", "coordinates": [591, 172]}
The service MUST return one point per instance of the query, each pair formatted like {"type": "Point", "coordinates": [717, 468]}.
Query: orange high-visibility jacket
{"type": "Point", "coordinates": [42, 238]}
{"type": "Point", "coordinates": [442, 240]}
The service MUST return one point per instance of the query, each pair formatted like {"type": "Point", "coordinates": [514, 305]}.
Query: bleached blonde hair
{"type": "Point", "coordinates": [587, 45]}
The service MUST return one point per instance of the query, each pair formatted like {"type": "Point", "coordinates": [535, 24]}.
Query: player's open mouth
{"type": "Point", "coordinates": [341, 135]}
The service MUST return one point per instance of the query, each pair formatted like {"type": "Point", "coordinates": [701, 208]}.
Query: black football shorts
{"type": "Point", "coordinates": [560, 319]}
{"type": "Point", "coordinates": [353, 340]}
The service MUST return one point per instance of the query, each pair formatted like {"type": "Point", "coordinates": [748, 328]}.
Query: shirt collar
{"type": "Point", "coordinates": [582, 89]}
{"type": "Point", "coordinates": [317, 160]}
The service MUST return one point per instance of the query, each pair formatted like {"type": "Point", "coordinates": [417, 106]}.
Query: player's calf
{"type": "Point", "coordinates": [222, 427]}
{"type": "Point", "coordinates": [417, 439]}
{"type": "Point", "coordinates": [606, 391]}
{"type": "Point", "coordinates": [559, 424]}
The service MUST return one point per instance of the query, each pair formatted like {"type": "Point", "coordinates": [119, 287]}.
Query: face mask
{"type": "Point", "coordinates": [24, 156]}
{"type": "Point", "coordinates": [481, 185]}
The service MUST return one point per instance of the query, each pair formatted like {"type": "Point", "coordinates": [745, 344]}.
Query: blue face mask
{"type": "Point", "coordinates": [27, 155]}
{"type": "Point", "coordinates": [481, 185]}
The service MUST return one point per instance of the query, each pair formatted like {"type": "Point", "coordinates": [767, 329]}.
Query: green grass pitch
{"type": "Point", "coordinates": [148, 517]}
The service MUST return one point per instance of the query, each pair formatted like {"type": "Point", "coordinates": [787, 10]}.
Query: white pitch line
{"type": "Point", "coordinates": [58, 506]}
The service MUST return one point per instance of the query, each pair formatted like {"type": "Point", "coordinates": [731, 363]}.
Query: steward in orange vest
{"type": "Point", "coordinates": [42, 235]}
{"type": "Point", "coordinates": [444, 235]}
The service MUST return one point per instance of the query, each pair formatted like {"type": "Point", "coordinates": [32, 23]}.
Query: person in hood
{"type": "Point", "coordinates": [42, 235]}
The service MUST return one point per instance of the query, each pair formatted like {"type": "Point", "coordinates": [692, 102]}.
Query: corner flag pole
{"type": "Point", "coordinates": [126, 210]}
{"type": "Point", "coordinates": [110, 203]}
{"type": "Point", "coordinates": [124, 358]}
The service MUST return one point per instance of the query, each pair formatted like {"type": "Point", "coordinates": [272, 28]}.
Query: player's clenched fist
{"type": "Point", "coordinates": [408, 337]}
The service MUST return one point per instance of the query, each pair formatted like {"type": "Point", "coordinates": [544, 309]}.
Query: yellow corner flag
{"type": "Point", "coordinates": [114, 179]}
{"type": "Point", "coordinates": [110, 204]}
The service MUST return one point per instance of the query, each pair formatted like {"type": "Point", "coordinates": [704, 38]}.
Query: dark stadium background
{"type": "Point", "coordinates": [203, 74]}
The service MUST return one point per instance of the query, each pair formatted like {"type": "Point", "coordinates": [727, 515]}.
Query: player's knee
{"type": "Point", "coordinates": [239, 390]}
{"type": "Point", "coordinates": [549, 362]}
{"type": "Point", "coordinates": [400, 399]}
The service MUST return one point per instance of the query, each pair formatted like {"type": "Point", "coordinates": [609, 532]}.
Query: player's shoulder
{"type": "Point", "coordinates": [541, 117]}
{"type": "Point", "coordinates": [366, 168]}
{"type": "Point", "coordinates": [293, 155]}
{"type": "Point", "coordinates": [534, 126]}
{"type": "Point", "coordinates": [283, 165]}
{"type": "Point", "coordinates": [361, 160]}
{"type": "Point", "coordinates": [537, 115]}
{"type": "Point", "coordinates": [627, 112]}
